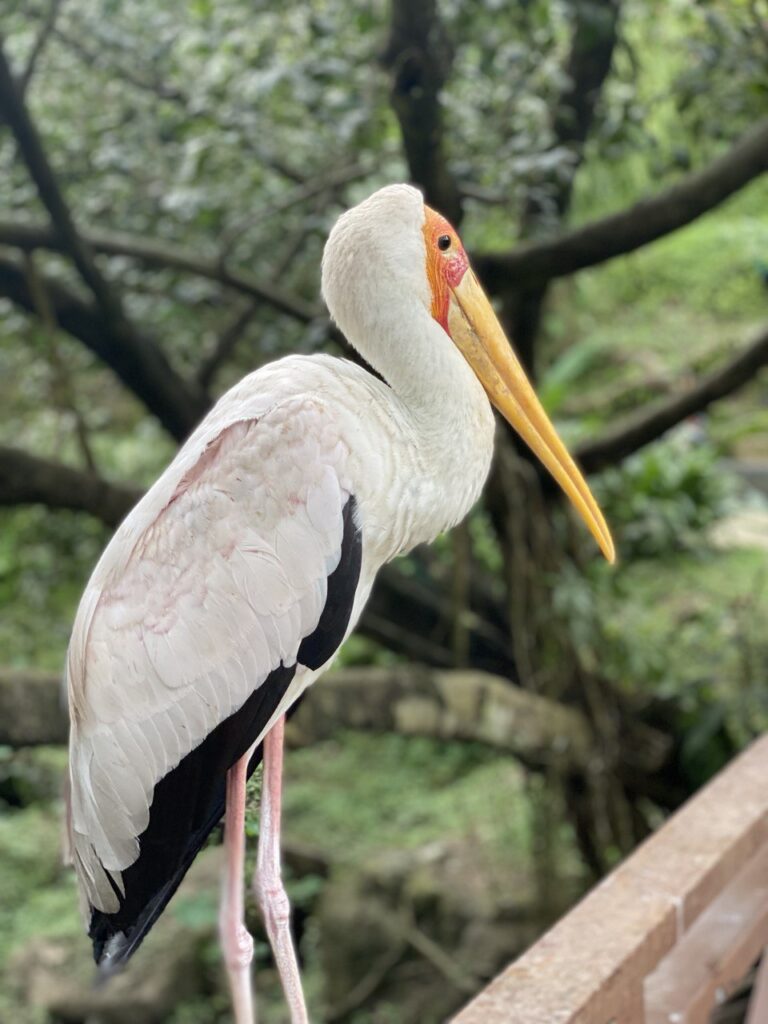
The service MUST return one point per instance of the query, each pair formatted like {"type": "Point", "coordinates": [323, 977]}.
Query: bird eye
{"type": "Point", "coordinates": [444, 243]}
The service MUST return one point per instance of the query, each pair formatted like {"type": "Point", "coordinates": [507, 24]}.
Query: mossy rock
{"type": "Point", "coordinates": [421, 930]}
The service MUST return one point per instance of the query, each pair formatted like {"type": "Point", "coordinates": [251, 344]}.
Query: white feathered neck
{"type": "Point", "coordinates": [375, 284]}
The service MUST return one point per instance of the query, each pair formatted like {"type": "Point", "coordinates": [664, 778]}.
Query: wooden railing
{"type": "Point", "coordinates": [668, 934]}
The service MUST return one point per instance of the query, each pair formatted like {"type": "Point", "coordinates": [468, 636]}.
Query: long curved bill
{"type": "Point", "coordinates": [476, 331]}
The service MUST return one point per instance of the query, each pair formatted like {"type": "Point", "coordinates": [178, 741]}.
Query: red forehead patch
{"type": "Point", "coordinates": [446, 262]}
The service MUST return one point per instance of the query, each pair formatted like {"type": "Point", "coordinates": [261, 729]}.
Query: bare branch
{"type": "Point", "coordinates": [410, 700]}
{"type": "Point", "coordinates": [27, 479]}
{"type": "Point", "coordinates": [149, 376]}
{"type": "Point", "coordinates": [163, 256]}
{"type": "Point", "coordinates": [453, 971]}
{"type": "Point", "coordinates": [649, 424]}
{"type": "Point", "coordinates": [635, 226]}
{"type": "Point", "coordinates": [407, 616]}
{"type": "Point", "coordinates": [63, 393]}
{"type": "Point", "coordinates": [225, 345]}
{"type": "Point", "coordinates": [32, 708]}
{"type": "Point", "coordinates": [135, 357]}
{"type": "Point", "coordinates": [95, 57]}
{"type": "Point", "coordinates": [419, 56]}
{"type": "Point", "coordinates": [332, 179]}
{"type": "Point", "coordinates": [46, 31]}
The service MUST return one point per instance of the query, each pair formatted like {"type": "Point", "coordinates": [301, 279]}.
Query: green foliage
{"type": "Point", "coordinates": [37, 895]}
{"type": "Point", "coordinates": [198, 909]}
{"type": "Point", "coordinates": [359, 650]}
{"type": "Point", "coordinates": [726, 42]}
{"type": "Point", "coordinates": [393, 791]}
{"type": "Point", "coordinates": [31, 775]}
{"type": "Point", "coordinates": [663, 498]}
{"type": "Point", "coordinates": [711, 268]}
{"type": "Point", "coordinates": [690, 626]}
{"type": "Point", "coordinates": [38, 594]}
{"type": "Point", "coordinates": [190, 124]}
{"type": "Point", "coordinates": [657, 117]}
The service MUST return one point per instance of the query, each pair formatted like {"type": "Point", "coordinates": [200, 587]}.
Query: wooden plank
{"type": "Point", "coordinates": [758, 1004]}
{"type": "Point", "coordinates": [587, 969]}
{"type": "Point", "coordinates": [715, 954]}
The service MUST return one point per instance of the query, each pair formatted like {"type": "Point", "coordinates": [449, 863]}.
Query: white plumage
{"type": "Point", "coordinates": [219, 571]}
{"type": "Point", "coordinates": [222, 569]}
{"type": "Point", "coordinates": [218, 588]}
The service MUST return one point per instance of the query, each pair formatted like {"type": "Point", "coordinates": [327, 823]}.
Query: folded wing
{"type": "Point", "coordinates": [238, 570]}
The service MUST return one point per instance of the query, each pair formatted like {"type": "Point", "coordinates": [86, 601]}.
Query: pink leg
{"type": "Point", "coordinates": [236, 943]}
{"type": "Point", "coordinates": [268, 882]}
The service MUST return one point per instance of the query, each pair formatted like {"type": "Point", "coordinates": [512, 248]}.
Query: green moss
{"type": "Point", "coordinates": [37, 894]}
{"type": "Point", "coordinates": [694, 627]}
{"type": "Point", "coordinates": [39, 593]}
{"type": "Point", "coordinates": [620, 333]}
{"type": "Point", "coordinates": [359, 793]}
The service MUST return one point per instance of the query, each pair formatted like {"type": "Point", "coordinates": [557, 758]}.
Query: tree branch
{"type": "Point", "coordinates": [32, 708]}
{"type": "Point", "coordinates": [162, 255]}
{"type": "Point", "coordinates": [46, 31]}
{"type": "Point", "coordinates": [593, 39]}
{"type": "Point", "coordinates": [27, 479]}
{"type": "Point", "coordinates": [407, 616]}
{"type": "Point", "coordinates": [152, 380]}
{"type": "Point", "coordinates": [410, 700]}
{"type": "Point", "coordinates": [595, 28]}
{"type": "Point", "coordinates": [635, 226]}
{"type": "Point", "coordinates": [95, 57]}
{"type": "Point", "coordinates": [62, 391]}
{"type": "Point", "coordinates": [649, 424]}
{"type": "Point", "coordinates": [419, 55]}
{"type": "Point", "coordinates": [456, 705]}
{"type": "Point", "coordinates": [178, 404]}
{"type": "Point", "coordinates": [414, 619]}
{"type": "Point", "coordinates": [225, 344]}
{"type": "Point", "coordinates": [530, 263]}
{"type": "Point", "coordinates": [31, 149]}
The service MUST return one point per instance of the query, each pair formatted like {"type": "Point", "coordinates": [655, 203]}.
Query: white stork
{"type": "Point", "coordinates": [232, 584]}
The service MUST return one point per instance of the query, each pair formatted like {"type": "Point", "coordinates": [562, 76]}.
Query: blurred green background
{"type": "Point", "coordinates": [203, 150]}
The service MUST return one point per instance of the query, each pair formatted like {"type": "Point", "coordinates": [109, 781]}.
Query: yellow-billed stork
{"type": "Point", "coordinates": [232, 584]}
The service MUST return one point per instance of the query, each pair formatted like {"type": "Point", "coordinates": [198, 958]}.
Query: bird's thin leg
{"type": "Point", "coordinates": [268, 882]}
{"type": "Point", "coordinates": [236, 943]}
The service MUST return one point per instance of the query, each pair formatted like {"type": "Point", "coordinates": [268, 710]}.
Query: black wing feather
{"type": "Point", "coordinates": [189, 801]}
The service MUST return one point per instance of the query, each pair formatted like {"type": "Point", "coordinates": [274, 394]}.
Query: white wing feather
{"type": "Point", "coordinates": [208, 586]}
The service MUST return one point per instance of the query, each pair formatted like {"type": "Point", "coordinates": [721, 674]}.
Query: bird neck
{"type": "Point", "coordinates": [420, 362]}
{"type": "Point", "coordinates": [444, 422]}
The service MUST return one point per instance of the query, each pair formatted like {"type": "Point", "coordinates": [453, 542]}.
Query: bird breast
{"type": "Point", "coordinates": [416, 472]}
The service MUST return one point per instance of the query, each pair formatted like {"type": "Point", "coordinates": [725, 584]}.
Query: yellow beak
{"type": "Point", "coordinates": [476, 331]}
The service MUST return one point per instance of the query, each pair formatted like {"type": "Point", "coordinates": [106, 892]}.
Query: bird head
{"type": "Point", "coordinates": [394, 243]}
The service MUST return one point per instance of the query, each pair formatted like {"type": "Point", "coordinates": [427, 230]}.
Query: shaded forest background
{"type": "Point", "coordinates": [512, 716]}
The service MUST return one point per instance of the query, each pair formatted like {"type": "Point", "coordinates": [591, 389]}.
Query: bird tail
{"type": "Point", "coordinates": [187, 804]}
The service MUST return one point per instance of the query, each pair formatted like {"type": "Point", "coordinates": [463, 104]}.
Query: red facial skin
{"type": "Point", "coordinates": [445, 269]}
